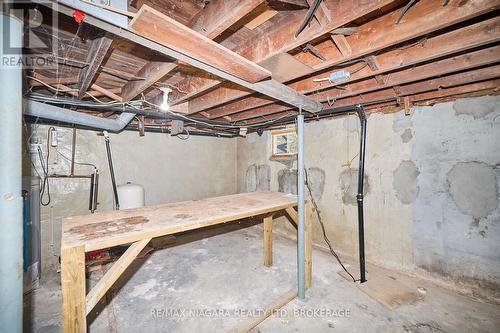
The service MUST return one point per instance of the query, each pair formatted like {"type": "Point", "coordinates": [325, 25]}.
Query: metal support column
{"type": "Point", "coordinates": [11, 201]}
{"type": "Point", "coordinates": [300, 205]}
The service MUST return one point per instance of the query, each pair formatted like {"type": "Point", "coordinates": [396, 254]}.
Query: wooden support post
{"type": "Point", "coordinates": [308, 244]}
{"type": "Point", "coordinates": [268, 241]}
{"type": "Point", "coordinates": [73, 289]}
{"type": "Point", "coordinates": [114, 273]}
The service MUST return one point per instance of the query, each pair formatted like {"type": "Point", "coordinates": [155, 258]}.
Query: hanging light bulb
{"type": "Point", "coordinates": [164, 105]}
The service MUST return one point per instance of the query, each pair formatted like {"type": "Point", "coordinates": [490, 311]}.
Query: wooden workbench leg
{"type": "Point", "coordinates": [308, 244]}
{"type": "Point", "coordinates": [268, 241]}
{"type": "Point", "coordinates": [73, 289]}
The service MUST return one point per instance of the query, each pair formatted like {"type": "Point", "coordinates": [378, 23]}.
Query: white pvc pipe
{"type": "Point", "coordinates": [11, 202]}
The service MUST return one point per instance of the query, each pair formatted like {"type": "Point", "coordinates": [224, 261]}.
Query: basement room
{"type": "Point", "coordinates": [257, 166]}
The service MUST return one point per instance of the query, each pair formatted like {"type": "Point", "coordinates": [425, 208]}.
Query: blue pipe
{"type": "Point", "coordinates": [26, 210]}
{"type": "Point", "coordinates": [11, 201]}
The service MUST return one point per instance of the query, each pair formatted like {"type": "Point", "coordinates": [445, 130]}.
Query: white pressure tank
{"type": "Point", "coordinates": [131, 195]}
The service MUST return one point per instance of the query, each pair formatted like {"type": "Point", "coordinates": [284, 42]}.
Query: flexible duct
{"type": "Point", "coordinates": [47, 111]}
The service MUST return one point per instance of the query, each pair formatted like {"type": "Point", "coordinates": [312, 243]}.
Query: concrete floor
{"type": "Point", "coordinates": [217, 271]}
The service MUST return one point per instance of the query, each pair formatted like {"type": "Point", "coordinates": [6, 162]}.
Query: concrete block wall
{"type": "Point", "coordinates": [170, 170]}
{"type": "Point", "coordinates": [432, 188]}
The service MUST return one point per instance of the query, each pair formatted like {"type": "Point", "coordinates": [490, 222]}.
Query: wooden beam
{"type": "Point", "coordinates": [174, 35]}
{"type": "Point", "coordinates": [268, 241]}
{"type": "Point", "coordinates": [210, 23]}
{"type": "Point", "coordinates": [270, 88]}
{"type": "Point", "coordinates": [113, 274]}
{"type": "Point", "coordinates": [467, 38]}
{"type": "Point", "coordinates": [95, 57]}
{"type": "Point", "coordinates": [73, 289]}
{"type": "Point", "coordinates": [381, 33]}
{"type": "Point", "coordinates": [280, 38]}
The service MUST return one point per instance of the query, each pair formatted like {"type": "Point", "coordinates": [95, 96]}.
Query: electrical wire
{"type": "Point", "coordinates": [405, 9]}
{"type": "Point", "coordinates": [325, 237]}
{"type": "Point", "coordinates": [45, 168]}
{"type": "Point", "coordinates": [78, 163]}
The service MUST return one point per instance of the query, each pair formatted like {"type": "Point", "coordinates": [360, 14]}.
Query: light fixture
{"type": "Point", "coordinates": [164, 105]}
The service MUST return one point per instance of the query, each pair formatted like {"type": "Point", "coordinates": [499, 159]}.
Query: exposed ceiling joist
{"type": "Point", "coordinates": [391, 94]}
{"type": "Point", "coordinates": [270, 88]}
{"type": "Point", "coordinates": [426, 16]}
{"type": "Point", "coordinates": [455, 41]}
{"type": "Point", "coordinates": [443, 67]}
{"type": "Point", "coordinates": [280, 38]}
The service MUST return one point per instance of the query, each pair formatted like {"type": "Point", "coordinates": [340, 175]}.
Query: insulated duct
{"type": "Point", "coordinates": [47, 111]}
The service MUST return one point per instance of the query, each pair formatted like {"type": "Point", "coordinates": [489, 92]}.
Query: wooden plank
{"type": "Point", "coordinates": [426, 16]}
{"type": "Point", "coordinates": [442, 67]}
{"type": "Point", "coordinates": [173, 34]}
{"type": "Point", "coordinates": [95, 57]}
{"type": "Point", "coordinates": [280, 38]}
{"type": "Point", "coordinates": [284, 67]}
{"type": "Point", "coordinates": [386, 289]}
{"type": "Point", "coordinates": [268, 241]}
{"type": "Point", "coordinates": [442, 45]}
{"type": "Point", "coordinates": [249, 325]}
{"type": "Point", "coordinates": [209, 22]}
{"type": "Point", "coordinates": [73, 289]}
{"type": "Point", "coordinates": [308, 244]}
{"type": "Point", "coordinates": [265, 16]}
{"type": "Point", "coordinates": [114, 273]}
{"type": "Point", "coordinates": [152, 72]}
{"type": "Point", "coordinates": [106, 229]}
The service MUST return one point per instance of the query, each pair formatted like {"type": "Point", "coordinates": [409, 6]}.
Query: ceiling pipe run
{"type": "Point", "coordinates": [51, 112]}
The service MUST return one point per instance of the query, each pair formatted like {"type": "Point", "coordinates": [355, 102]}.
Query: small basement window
{"type": "Point", "coordinates": [284, 142]}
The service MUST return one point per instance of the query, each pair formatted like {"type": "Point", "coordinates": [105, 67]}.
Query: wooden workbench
{"type": "Point", "coordinates": [138, 226]}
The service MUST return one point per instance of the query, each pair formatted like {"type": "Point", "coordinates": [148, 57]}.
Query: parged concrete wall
{"type": "Point", "coordinates": [432, 187]}
{"type": "Point", "coordinates": [170, 170]}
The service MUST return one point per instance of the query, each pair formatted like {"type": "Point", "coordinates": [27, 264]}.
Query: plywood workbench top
{"type": "Point", "coordinates": [106, 229]}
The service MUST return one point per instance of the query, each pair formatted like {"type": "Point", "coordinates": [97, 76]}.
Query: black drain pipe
{"type": "Point", "coordinates": [111, 170]}
{"type": "Point", "coordinates": [358, 108]}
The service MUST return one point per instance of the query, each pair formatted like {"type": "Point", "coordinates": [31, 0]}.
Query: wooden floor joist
{"type": "Point", "coordinates": [426, 17]}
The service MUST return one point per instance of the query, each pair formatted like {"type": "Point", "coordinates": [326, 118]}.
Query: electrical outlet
{"type": "Point", "coordinates": [34, 147]}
